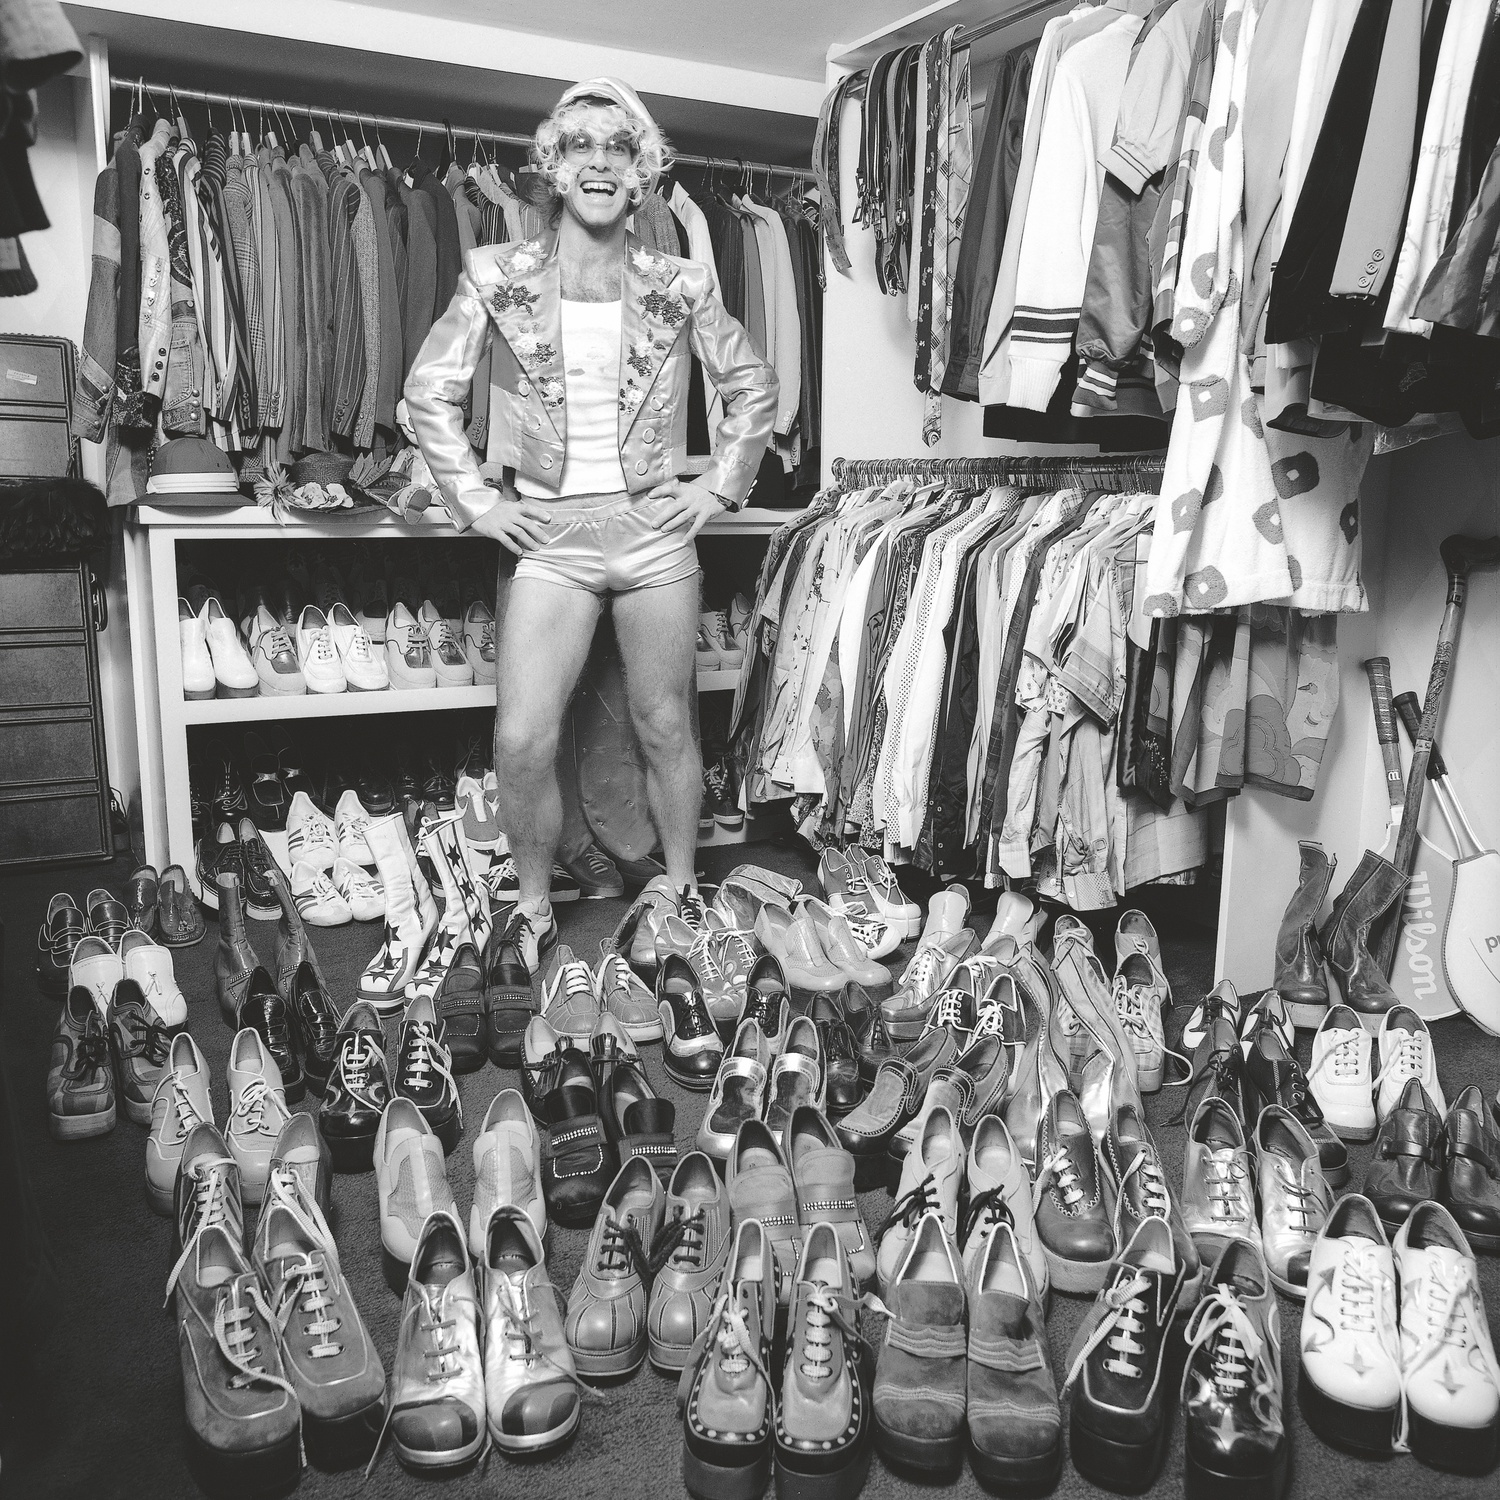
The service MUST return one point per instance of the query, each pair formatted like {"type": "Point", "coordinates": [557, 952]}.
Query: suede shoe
{"type": "Point", "coordinates": [530, 1382]}
{"type": "Point", "coordinates": [1015, 1425]}
{"type": "Point", "coordinates": [725, 1391]}
{"type": "Point", "coordinates": [139, 1043]}
{"type": "Point", "coordinates": [577, 1161]}
{"type": "Point", "coordinates": [1138, 1183]}
{"type": "Point", "coordinates": [257, 1111]}
{"type": "Point", "coordinates": [897, 1094]}
{"type": "Point", "coordinates": [1122, 1389]}
{"type": "Point", "coordinates": [760, 1187]}
{"type": "Point", "coordinates": [823, 1176]}
{"type": "Point", "coordinates": [999, 1194]}
{"type": "Point", "coordinates": [207, 1190]}
{"type": "Point", "coordinates": [930, 1179]}
{"type": "Point", "coordinates": [921, 1377]}
{"type": "Point", "coordinates": [358, 1089]}
{"type": "Point", "coordinates": [695, 1241]}
{"type": "Point", "coordinates": [181, 1101]}
{"type": "Point", "coordinates": [1072, 1218]}
{"type": "Point", "coordinates": [570, 1001]}
{"type": "Point", "coordinates": [606, 1318]}
{"type": "Point", "coordinates": [80, 1079]}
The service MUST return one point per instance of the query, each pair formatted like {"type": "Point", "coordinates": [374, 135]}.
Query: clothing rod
{"type": "Point", "coordinates": [856, 471]}
{"type": "Point", "coordinates": [972, 34]}
{"type": "Point", "coordinates": [439, 128]}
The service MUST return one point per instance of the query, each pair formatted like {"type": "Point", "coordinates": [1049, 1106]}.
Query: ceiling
{"type": "Point", "coordinates": [785, 37]}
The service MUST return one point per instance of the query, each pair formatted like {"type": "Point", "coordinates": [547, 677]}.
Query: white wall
{"type": "Point", "coordinates": [1411, 500]}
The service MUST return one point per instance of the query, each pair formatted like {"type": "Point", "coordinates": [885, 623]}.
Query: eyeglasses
{"type": "Point", "coordinates": [619, 149]}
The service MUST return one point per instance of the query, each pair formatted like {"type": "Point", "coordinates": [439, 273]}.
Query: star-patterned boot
{"type": "Point", "coordinates": [452, 929]}
{"type": "Point", "coordinates": [387, 975]}
{"type": "Point", "coordinates": [464, 863]}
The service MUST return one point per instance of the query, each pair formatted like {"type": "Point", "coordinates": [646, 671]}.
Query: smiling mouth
{"type": "Point", "coordinates": [600, 189]}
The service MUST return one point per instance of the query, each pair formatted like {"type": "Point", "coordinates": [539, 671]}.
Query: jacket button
{"type": "Point", "coordinates": [523, 388]}
{"type": "Point", "coordinates": [649, 435]}
{"type": "Point", "coordinates": [659, 402]}
{"type": "Point", "coordinates": [533, 422]}
{"type": "Point", "coordinates": [546, 460]}
{"type": "Point", "coordinates": [1378, 254]}
{"type": "Point", "coordinates": [641, 466]}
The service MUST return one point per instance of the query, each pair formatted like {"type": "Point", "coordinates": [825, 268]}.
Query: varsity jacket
{"type": "Point", "coordinates": [511, 294]}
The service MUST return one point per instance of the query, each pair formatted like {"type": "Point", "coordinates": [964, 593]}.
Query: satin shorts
{"type": "Point", "coordinates": [611, 548]}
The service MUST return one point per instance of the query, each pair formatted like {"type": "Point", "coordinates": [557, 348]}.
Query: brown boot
{"type": "Point", "coordinates": [1374, 887]}
{"type": "Point", "coordinates": [234, 960]}
{"type": "Point", "coordinates": [1301, 979]}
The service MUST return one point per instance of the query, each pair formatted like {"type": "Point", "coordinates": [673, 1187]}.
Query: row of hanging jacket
{"type": "Point", "coordinates": [1273, 221]}
{"type": "Point", "coordinates": [962, 672]}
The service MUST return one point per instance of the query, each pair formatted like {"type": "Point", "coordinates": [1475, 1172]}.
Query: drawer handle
{"type": "Point", "coordinates": [99, 602]}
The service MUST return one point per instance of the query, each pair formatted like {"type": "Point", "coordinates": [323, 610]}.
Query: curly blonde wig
{"type": "Point", "coordinates": [653, 153]}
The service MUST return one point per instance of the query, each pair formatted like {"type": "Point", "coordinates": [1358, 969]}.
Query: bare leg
{"type": "Point", "coordinates": [544, 638]}
{"type": "Point", "coordinates": [657, 628]}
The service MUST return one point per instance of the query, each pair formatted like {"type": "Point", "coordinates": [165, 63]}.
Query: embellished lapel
{"type": "Point", "coordinates": [652, 313]}
{"type": "Point", "coordinates": [526, 304]}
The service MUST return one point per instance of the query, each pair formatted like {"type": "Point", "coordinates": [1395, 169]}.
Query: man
{"type": "Point", "coordinates": [588, 423]}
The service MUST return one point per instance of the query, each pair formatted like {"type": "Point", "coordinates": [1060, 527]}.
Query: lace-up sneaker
{"type": "Point", "coordinates": [921, 1375]}
{"type": "Point", "coordinates": [824, 1419]}
{"type": "Point", "coordinates": [310, 835]}
{"type": "Point", "coordinates": [1295, 1199]}
{"type": "Point", "coordinates": [1404, 1046]}
{"type": "Point", "coordinates": [1138, 1182]}
{"type": "Point", "coordinates": [761, 1188]}
{"type": "Point", "coordinates": [424, 1070]}
{"type": "Point", "coordinates": [139, 1043]}
{"type": "Point", "coordinates": [318, 901]}
{"type": "Point", "coordinates": [1221, 1002]}
{"type": "Point", "coordinates": [570, 1000]}
{"type": "Point", "coordinates": [1341, 1076]}
{"type": "Point", "coordinates": [706, 952]}
{"type": "Point", "coordinates": [730, 653]}
{"type": "Point", "coordinates": [244, 1421]}
{"type": "Point", "coordinates": [626, 999]}
{"type": "Point", "coordinates": [181, 1101]}
{"type": "Point", "coordinates": [364, 671]}
{"type": "Point", "coordinates": [436, 1401]}
{"type": "Point", "coordinates": [1218, 1191]}
{"type": "Point", "coordinates": [868, 889]}
{"type": "Point", "coordinates": [693, 1250]}
{"type": "Point", "coordinates": [1122, 1390]}
{"type": "Point", "coordinates": [80, 1080]}
{"type": "Point", "coordinates": [274, 656]}
{"type": "Point", "coordinates": [507, 1168]}
{"type": "Point", "coordinates": [452, 666]}
{"type": "Point", "coordinates": [1140, 995]}
{"type": "Point", "coordinates": [1072, 1218]}
{"type": "Point", "coordinates": [530, 1381]}
{"type": "Point", "coordinates": [257, 1111]}
{"type": "Point", "coordinates": [408, 652]}
{"type": "Point", "coordinates": [597, 876]}
{"type": "Point", "coordinates": [1236, 1440]}
{"type": "Point", "coordinates": [207, 1191]}
{"type": "Point", "coordinates": [479, 641]}
{"type": "Point", "coordinates": [930, 1177]}
{"type": "Point", "coordinates": [358, 891]}
{"type": "Point", "coordinates": [351, 828]}
{"type": "Point", "coordinates": [1449, 1374]}
{"type": "Point", "coordinates": [727, 1410]}
{"type": "Point", "coordinates": [411, 1180]}
{"type": "Point", "coordinates": [605, 1324]}
{"type": "Point", "coordinates": [999, 1193]}
{"type": "Point", "coordinates": [1272, 1075]}
{"type": "Point", "coordinates": [326, 1353]}
{"type": "Point", "coordinates": [1350, 1382]}
{"type": "Point", "coordinates": [322, 670]}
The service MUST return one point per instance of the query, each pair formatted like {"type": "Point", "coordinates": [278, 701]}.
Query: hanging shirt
{"type": "Point", "coordinates": [591, 361]}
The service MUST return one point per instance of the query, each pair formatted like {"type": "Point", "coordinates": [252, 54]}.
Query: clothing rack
{"type": "Point", "coordinates": [1141, 472]}
{"type": "Point", "coordinates": [972, 34]}
{"type": "Point", "coordinates": [440, 128]}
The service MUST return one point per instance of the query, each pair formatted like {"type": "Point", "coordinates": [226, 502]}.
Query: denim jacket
{"type": "Point", "coordinates": [669, 311]}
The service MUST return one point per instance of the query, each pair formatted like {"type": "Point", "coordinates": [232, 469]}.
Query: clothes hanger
{"type": "Point", "coordinates": [382, 153]}
{"type": "Point", "coordinates": [313, 138]}
{"type": "Point", "coordinates": [416, 161]}
{"type": "Point", "coordinates": [446, 160]}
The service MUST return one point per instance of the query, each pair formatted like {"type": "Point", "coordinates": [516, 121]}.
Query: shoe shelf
{"type": "Point", "coordinates": [163, 716]}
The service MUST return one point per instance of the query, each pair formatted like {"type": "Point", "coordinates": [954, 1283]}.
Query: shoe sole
{"type": "Point", "coordinates": [613, 1365]}
{"type": "Point", "coordinates": [223, 690]}
{"type": "Point", "coordinates": [351, 1154]}
{"type": "Point", "coordinates": [385, 1002]}
{"type": "Point", "coordinates": [203, 695]}
{"type": "Point", "coordinates": [1459, 1450]}
{"type": "Point", "coordinates": [842, 1483]}
{"type": "Point", "coordinates": [704, 1480]}
{"type": "Point", "coordinates": [273, 1470]}
{"type": "Point", "coordinates": [539, 1442]}
{"type": "Point", "coordinates": [82, 1127]}
{"type": "Point", "coordinates": [160, 1198]}
{"type": "Point", "coordinates": [1075, 1275]}
{"type": "Point", "coordinates": [421, 1462]}
{"type": "Point", "coordinates": [342, 1442]}
{"type": "Point", "coordinates": [1368, 1432]}
{"type": "Point", "coordinates": [668, 1358]}
{"type": "Point", "coordinates": [1017, 1476]}
{"type": "Point", "coordinates": [1202, 1483]}
{"type": "Point", "coordinates": [1126, 1468]}
{"type": "Point", "coordinates": [561, 898]}
{"type": "Point", "coordinates": [691, 1084]}
{"type": "Point", "coordinates": [1355, 1133]}
{"type": "Point", "coordinates": [917, 1455]}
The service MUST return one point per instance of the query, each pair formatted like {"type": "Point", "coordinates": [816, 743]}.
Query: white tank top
{"type": "Point", "coordinates": [591, 362]}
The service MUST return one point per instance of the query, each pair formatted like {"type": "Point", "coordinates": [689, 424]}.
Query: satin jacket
{"type": "Point", "coordinates": [669, 311]}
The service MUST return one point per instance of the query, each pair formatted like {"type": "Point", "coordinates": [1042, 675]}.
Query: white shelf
{"type": "Point", "coordinates": [926, 21]}
{"type": "Point", "coordinates": [720, 836]}
{"type": "Point", "coordinates": [334, 705]}
{"type": "Point", "coordinates": [719, 682]}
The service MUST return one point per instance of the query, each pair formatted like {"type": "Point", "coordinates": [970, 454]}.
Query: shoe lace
{"type": "Point", "coordinates": [90, 1051]}
{"type": "Point", "coordinates": [719, 624]}
{"type": "Point", "coordinates": [1139, 1012]}
{"type": "Point", "coordinates": [422, 1054]}
{"type": "Point", "coordinates": [306, 1288]}
{"type": "Point", "coordinates": [499, 876]}
{"type": "Point", "coordinates": [284, 1189]}
{"type": "Point", "coordinates": [1301, 1202]}
{"type": "Point", "coordinates": [737, 955]}
{"type": "Point", "coordinates": [1360, 1282]}
{"type": "Point", "coordinates": [1410, 1059]}
{"type": "Point", "coordinates": [1216, 1072]}
{"type": "Point", "coordinates": [729, 1335]}
{"type": "Point", "coordinates": [691, 908]}
{"type": "Point", "coordinates": [276, 641]}
{"type": "Point", "coordinates": [180, 1110]}
{"type": "Point", "coordinates": [987, 1211]}
{"type": "Point", "coordinates": [681, 1240]}
{"type": "Point", "coordinates": [907, 1210]}
{"type": "Point", "coordinates": [236, 1335]}
{"type": "Point", "coordinates": [210, 1178]}
{"type": "Point", "coordinates": [1060, 1172]}
{"type": "Point", "coordinates": [1123, 1315]}
{"type": "Point", "coordinates": [990, 1022]}
{"type": "Point", "coordinates": [356, 1068]}
{"type": "Point", "coordinates": [441, 1351]}
{"type": "Point", "coordinates": [949, 1011]}
{"type": "Point", "coordinates": [925, 970]}
{"type": "Point", "coordinates": [716, 780]}
{"type": "Point", "coordinates": [321, 890]}
{"type": "Point", "coordinates": [359, 647]}
{"type": "Point", "coordinates": [702, 957]}
{"type": "Point", "coordinates": [1228, 1185]}
{"type": "Point", "coordinates": [595, 860]}
{"type": "Point", "coordinates": [577, 981]}
{"type": "Point", "coordinates": [256, 1101]}
{"type": "Point", "coordinates": [1452, 1317]}
{"type": "Point", "coordinates": [621, 1250]}
{"type": "Point", "coordinates": [320, 646]}
{"type": "Point", "coordinates": [1342, 1059]}
{"type": "Point", "coordinates": [1146, 1168]}
{"type": "Point", "coordinates": [1221, 1325]}
{"type": "Point", "coordinates": [487, 637]}
{"type": "Point", "coordinates": [826, 1310]}
{"type": "Point", "coordinates": [440, 633]}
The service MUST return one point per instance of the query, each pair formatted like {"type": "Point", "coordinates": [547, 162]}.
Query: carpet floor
{"type": "Point", "coordinates": [108, 1422]}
